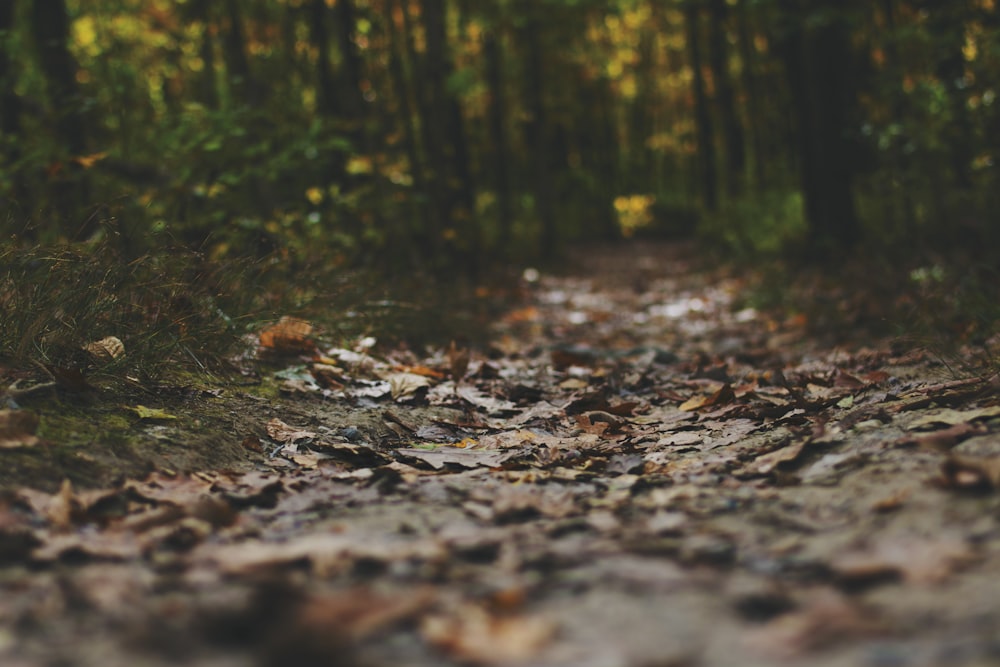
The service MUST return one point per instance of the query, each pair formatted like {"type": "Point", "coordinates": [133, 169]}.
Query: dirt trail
{"type": "Point", "coordinates": [639, 472]}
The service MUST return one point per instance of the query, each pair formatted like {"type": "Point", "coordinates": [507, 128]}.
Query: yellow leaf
{"type": "Point", "coordinates": [151, 413]}
{"type": "Point", "coordinates": [315, 196]}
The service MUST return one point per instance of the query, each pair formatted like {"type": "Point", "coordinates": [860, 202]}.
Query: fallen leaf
{"type": "Point", "coordinates": [150, 413]}
{"type": "Point", "coordinates": [966, 473]}
{"type": "Point", "coordinates": [470, 633]}
{"type": "Point", "coordinates": [406, 385]}
{"type": "Point", "coordinates": [289, 335]}
{"type": "Point", "coordinates": [441, 457]}
{"type": "Point", "coordinates": [916, 560]}
{"type": "Point", "coordinates": [106, 350]}
{"type": "Point", "coordinates": [722, 396]}
{"type": "Point", "coordinates": [826, 618]}
{"type": "Point", "coordinates": [949, 417]}
{"type": "Point", "coordinates": [284, 433]}
{"type": "Point", "coordinates": [17, 428]}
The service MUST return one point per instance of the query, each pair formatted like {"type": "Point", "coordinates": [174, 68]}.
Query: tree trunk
{"type": "Point", "coordinates": [242, 87]}
{"type": "Point", "coordinates": [353, 75]}
{"type": "Point", "coordinates": [445, 115]}
{"type": "Point", "coordinates": [732, 130]}
{"type": "Point", "coordinates": [755, 114]}
{"type": "Point", "coordinates": [407, 119]}
{"type": "Point", "coordinates": [10, 104]}
{"type": "Point", "coordinates": [319, 35]}
{"type": "Point", "coordinates": [199, 11]}
{"type": "Point", "coordinates": [498, 134]}
{"type": "Point", "coordinates": [50, 25]}
{"type": "Point", "coordinates": [536, 129]}
{"type": "Point", "coordinates": [702, 116]}
{"type": "Point", "coordinates": [817, 54]}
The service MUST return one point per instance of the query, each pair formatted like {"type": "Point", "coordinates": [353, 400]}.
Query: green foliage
{"type": "Point", "coordinates": [768, 224]}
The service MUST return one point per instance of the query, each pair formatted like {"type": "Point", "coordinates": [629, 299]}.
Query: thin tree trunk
{"type": "Point", "coordinates": [446, 116]}
{"type": "Point", "coordinates": [818, 61]}
{"type": "Point", "coordinates": [319, 35]}
{"type": "Point", "coordinates": [346, 22]}
{"type": "Point", "coordinates": [10, 104]}
{"type": "Point", "coordinates": [407, 117]}
{"type": "Point", "coordinates": [536, 129]}
{"type": "Point", "coordinates": [50, 25]}
{"type": "Point", "coordinates": [200, 11]}
{"type": "Point", "coordinates": [235, 49]}
{"type": "Point", "coordinates": [732, 129]}
{"type": "Point", "coordinates": [702, 116]}
{"type": "Point", "coordinates": [498, 134]}
{"type": "Point", "coordinates": [749, 78]}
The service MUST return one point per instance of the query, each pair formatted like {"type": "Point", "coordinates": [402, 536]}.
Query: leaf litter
{"type": "Point", "coordinates": [628, 476]}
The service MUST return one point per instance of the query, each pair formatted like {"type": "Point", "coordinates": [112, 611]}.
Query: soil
{"type": "Point", "coordinates": [639, 469]}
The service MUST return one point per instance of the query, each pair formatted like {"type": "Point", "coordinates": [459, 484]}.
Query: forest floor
{"type": "Point", "coordinates": [639, 470]}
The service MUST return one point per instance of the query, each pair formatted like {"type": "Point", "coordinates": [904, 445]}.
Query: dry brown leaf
{"type": "Point", "coordinates": [360, 613]}
{"type": "Point", "coordinates": [722, 396]}
{"type": "Point", "coordinates": [919, 561]}
{"type": "Point", "coordinates": [281, 432]}
{"type": "Point", "coordinates": [328, 376]}
{"type": "Point", "coordinates": [106, 350]}
{"type": "Point", "coordinates": [289, 335]}
{"type": "Point", "coordinates": [966, 473]}
{"type": "Point", "coordinates": [824, 619]}
{"type": "Point", "coordinates": [458, 361]}
{"type": "Point", "coordinates": [471, 634]}
{"type": "Point", "coordinates": [17, 428]}
{"type": "Point", "coordinates": [63, 509]}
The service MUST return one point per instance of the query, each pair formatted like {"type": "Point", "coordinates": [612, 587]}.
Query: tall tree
{"type": "Point", "coordinates": [243, 89]}
{"type": "Point", "coordinates": [445, 115]}
{"type": "Point", "coordinates": [493, 55]}
{"type": "Point", "coordinates": [70, 188]}
{"type": "Point", "coordinates": [537, 132]}
{"type": "Point", "coordinates": [816, 48]}
{"type": "Point", "coordinates": [732, 128]}
{"type": "Point", "coordinates": [755, 113]}
{"type": "Point", "coordinates": [702, 115]}
{"type": "Point", "coordinates": [10, 104]}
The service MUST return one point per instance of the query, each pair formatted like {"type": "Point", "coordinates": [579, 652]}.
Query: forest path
{"type": "Point", "coordinates": [641, 471]}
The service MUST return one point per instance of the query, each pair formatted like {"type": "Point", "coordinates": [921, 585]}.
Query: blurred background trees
{"type": "Point", "coordinates": [447, 133]}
